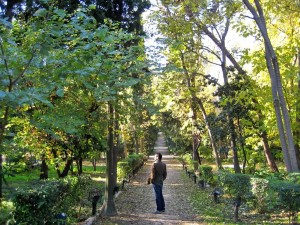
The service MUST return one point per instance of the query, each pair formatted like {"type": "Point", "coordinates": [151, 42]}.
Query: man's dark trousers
{"type": "Point", "coordinates": [160, 202]}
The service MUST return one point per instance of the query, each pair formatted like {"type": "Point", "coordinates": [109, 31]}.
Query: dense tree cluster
{"type": "Point", "coordinates": [246, 95]}
{"type": "Point", "coordinates": [74, 83]}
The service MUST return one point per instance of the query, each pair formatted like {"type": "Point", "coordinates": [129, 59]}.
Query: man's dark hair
{"type": "Point", "coordinates": [159, 155]}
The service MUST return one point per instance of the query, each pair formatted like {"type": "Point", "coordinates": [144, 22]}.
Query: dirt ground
{"type": "Point", "coordinates": [136, 203]}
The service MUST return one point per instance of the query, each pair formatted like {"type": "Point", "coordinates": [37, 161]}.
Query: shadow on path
{"type": "Point", "coordinates": [136, 204]}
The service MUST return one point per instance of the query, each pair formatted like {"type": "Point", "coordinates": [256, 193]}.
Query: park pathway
{"type": "Point", "coordinates": [136, 204]}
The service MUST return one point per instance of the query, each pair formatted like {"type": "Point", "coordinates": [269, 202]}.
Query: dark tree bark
{"type": "Point", "coordinates": [268, 154]}
{"type": "Point", "coordinates": [236, 164]}
{"type": "Point", "coordinates": [109, 204]}
{"type": "Point", "coordinates": [66, 169]}
{"type": "Point", "coordinates": [297, 129]}
{"type": "Point", "coordinates": [79, 165]}
{"type": "Point", "coordinates": [242, 144]}
{"type": "Point", "coordinates": [94, 163]}
{"type": "Point", "coordinates": [282, 115]}
{"type": "Point", "coordinates": [1, 177]}
{"type": "Point", "coordinates": [44, 170]}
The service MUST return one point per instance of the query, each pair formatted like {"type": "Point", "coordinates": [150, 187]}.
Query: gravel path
{"type": "Point", "coordinates": [136, 203]}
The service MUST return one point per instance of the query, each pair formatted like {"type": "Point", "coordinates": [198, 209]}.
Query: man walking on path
{"type": "Point", "coordinates": [158, 175]}
{"type": "Point", "coordinates": [135, 203]}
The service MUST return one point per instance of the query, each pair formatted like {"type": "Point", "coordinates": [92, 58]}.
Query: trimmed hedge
{"type": "Point", "coordinates": [267, 195]}
{"type": "Point", "coordinates": [236, 185]}
{"type": "Point", "coordinates": [130, 166]}
{"type": "Point", "coordinates": [206, 173]}
{"type": "Point", "coordinates": [43, 202]}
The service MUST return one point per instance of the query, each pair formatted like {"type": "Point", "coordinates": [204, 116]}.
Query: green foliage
{"type": "Point", "coordinates": [265, 173]}
{"type": "Point", "coordinates": [264, 197]}
{"type": "Point", "coordinates": [40, 204]}
{"type": "Point", "coordinates": [205, 152]}
{"type": "Point", "coordinates": [187, 158]}
{"type": "Point", "coordinates": [130, 165]}
{"type": "Point", "coordinates": [235, 185]}
{"type": "Point", "coordinates": [124, 169]}
{"type": "Point", "coordinates": [206, 173]}
{"type": "Point", "coordinates": [294, 178]}
{"type": "Point", "coordinates": [6, 209]}
{"type": "Point", "coordinates": [288, 195]}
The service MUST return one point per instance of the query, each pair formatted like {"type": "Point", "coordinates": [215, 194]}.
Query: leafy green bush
{"type": "Point", "coordinates": [294, 177]}
{"type": "Point", "coordinates": [143, 156]}
{"type": "Point", "coordinates": [6, 209]}
{"type": "Point", "coordinates": [124, 169]}
{"type": "Point", "coordinates": [136, 161]}
{"type": "Point", "coordinates": [288, 196]}
{"type": "Point", "coordinates": [42, 203]}
{"type": "Point", "coordinates": [264, 198]}
{"type": "Point", "coordinates": [130, 165]}
{"type": "Point", "coordinates": [206, 173]}
{"type": "Point", "coordinates": [187, 158]}
{"type": "Point", "coordinates": [236, 185]}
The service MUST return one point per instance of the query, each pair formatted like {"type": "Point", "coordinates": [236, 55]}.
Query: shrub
{"type": "Point", "coordinates": [136, 161]}
{"type": "Point", "coordinates": [41, 203]}
{"type": "Point", "coordinates": [294, 177]}
{"type": "Point", "coordinates": [187, 158]}
{"type": "Point", "coordinates": [264, 198]}
{"type": "Point", "coordinates": [124, 169]}
{"type": "Point", "coordinates": [6, 209]}
{"type": "Point", "coordinates": [206, 173]}
{"type": "Point", "coordinates": [130, 165]}
{"type": "Point", "coordinates": [236, 185]}
{"type": "Point", "coordinates": [288, 196]}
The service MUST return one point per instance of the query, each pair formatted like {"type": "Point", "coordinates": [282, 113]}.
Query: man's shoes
{"type": "Point", "coordinates": [158, 212]}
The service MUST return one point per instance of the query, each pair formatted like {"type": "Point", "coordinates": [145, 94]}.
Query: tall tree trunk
{"type": "Point", "coordinates": [209, 129]}
{"type": "Point", "coordinates": [44, 170]}
{"type": "Point", "coordinates": [242, 144]}
{"type": "Point", "coordinates": [194, 122]}
{"type": "Point", "coordinates": [136, 142]}
{"type": "Point", "coordinates": [236, 163]}
{"type": "Point", "coordinates": [297, 127]}
{"type": "Point", "coordinates": [116, 146]}
{"type": "Point", "coordinates": [80, 170]}
{"type": "Point", "coordinates": [64, 173]}
{"type": "Point", "coordinates": [109, 204]}
{"type": "Point", "coordinates": [268, 154]}
{"type": "Point", "coordinates": [203, 111]}
{"type": "Point", "coordinates": [1, 177]}
{"type": "Point", "coordinates": [225, 54]}
{"type": "Point", "coordinates": [262, 133]}
{"type": "Point", "coordinates": [282, 116]}
{"type": "Point", "coordinates": [94, 163]}
{"type": "Point", "coordinates": [3, 124]}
